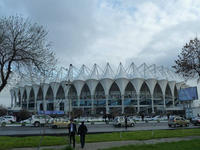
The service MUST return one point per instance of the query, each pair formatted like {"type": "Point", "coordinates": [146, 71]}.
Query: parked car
{"type": "Point", "coordinates": [60, 124]}
{"type": "Point", "coordinates": [120, 122]}
{"type": "Point", "coordinates": [135, 118]}
{"type": "Point", "coordinates": [158, 117]}
{"type": "Point", "coordinates": [38, 120]}
{"type": "Point", "coordinates": [195, 121]}
{"type": "Point", "coordinates": [60, 119]}
{"type": "Point", "coordinates": [177, 121]}
{"type": "Point", "coordinates": [27, 121]}
{"type": "Point", "coordinates": [148, 118]}
{"type": "Point", "coordinates": [3, 121]}
{"type": "Point", "coordinates": [12, 119]}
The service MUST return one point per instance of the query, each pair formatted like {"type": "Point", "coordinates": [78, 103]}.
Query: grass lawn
{"type": "Point", "coordinates": [182, 145]}
{"type": "Point", "coordinates": [14, 142]}
{"type": "Point", "coordinates": [141, 135]}
{"type": "Point", "coordinates": [33, 141]}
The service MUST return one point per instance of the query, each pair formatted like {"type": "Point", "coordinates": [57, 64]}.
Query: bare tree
{"type": "Point", "coordinates": [23, 48]}
{"type": "Point", "coordinates": [77, 112]}
{"type": "Point", "coordinates": [129, 110]}
{"type": "Point", "coordinates": [3, 110]}
{"type": "Point", "coordinates": [115, 111]}
{"type": "Point", "coordinates": [188, 62]}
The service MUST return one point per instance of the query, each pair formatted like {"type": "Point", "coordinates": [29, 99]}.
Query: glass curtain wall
{"type": "Point", "coordinates": [85, 100]}
{"type": "Point", "coordinates": [60, 97]}
{"type": "Point", "coordinates": [40, 99]}
{"type": "Point", "coordinates": [114, 101]}
{"type": "Point", "coordinates": [176, 101]}
{"type": "Point", "coordinates": [19, 99]}
{"type": "Point", "coordinates": [145, 100]}
{"type": "Point", "coordinates": [73, 97]}
{"type": "Point", "coordinates": [31, 103]}
{"type": "Point", "coordinates": [49, 99]}
{"type": "Point", "coordinates": [99, 100]}
{"type": "Point", "coordinates": [24, 100]}
{"type": "Point", "coordinates": [168, 97]}
{"type": "Point", "coordinates": [130, 99]}
{"type": "Point", "coordinates": [158, 99]}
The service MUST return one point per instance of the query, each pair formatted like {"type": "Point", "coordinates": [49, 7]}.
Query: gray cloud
{"type": "Point", "coordinates": [100, 31]}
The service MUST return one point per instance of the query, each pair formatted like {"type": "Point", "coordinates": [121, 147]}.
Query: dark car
{"type": "Point", "coordinates": [195, 121]}
{"type": "Point", "coordinates": [177, 121]}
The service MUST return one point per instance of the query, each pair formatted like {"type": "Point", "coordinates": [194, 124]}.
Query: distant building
{"type": "Point", "coordinates": [146, 89]}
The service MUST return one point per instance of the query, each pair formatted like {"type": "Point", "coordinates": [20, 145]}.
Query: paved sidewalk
{"type": "Point", "coordinates": [102, 145]}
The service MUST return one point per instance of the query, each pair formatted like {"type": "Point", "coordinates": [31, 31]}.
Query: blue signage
{"type": "Point", "coordinates": [188, 94]}
{"type": "Point", "coordinates": [51, 112]}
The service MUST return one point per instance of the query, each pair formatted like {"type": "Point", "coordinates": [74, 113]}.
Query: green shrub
{"type": "Point", "coordinates": [23, 124]}
{"type": "Point", "coordinates": [3, 124]}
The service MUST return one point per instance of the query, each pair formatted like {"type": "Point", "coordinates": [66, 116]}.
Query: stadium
{"type": "Point", "coordinates": [137, 89]}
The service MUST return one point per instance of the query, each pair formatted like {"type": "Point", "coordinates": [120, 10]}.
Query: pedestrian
{"type": "Point", "coordinates": [82, 130]}
{"type": "Point", "coordinates": [72, 132]}
{"type": "Point", "coordinates": [142, 117]}
{"type": "Point", "coordinates": [126, 122]}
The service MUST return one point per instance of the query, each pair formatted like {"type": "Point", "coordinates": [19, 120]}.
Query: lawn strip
{"type": "Point", "coordinates": [181, 145]}
{"type": "Point", "coordinates": [33, 141]}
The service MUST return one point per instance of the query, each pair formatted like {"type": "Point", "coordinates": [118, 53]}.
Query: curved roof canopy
{"type": "Point", "coordinates": [84, 73]}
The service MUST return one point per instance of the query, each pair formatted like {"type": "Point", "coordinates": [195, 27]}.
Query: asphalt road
{"type": "Point", "coordinates": [25, 131]}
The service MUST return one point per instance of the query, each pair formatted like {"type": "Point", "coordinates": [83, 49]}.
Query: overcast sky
{"type": "Point", "coordinates": [100, 31]}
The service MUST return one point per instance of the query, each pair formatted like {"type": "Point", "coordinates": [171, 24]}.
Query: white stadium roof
{"type": "Point", "coordinates": [84, 73]}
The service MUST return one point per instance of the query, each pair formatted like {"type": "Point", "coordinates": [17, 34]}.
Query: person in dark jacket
{"type": "Point", "coordinates": [126, 122]}
{"type": "Point", "coordinates": [72, 132]}
{"type": "Point", "coordinates": [82, 130]}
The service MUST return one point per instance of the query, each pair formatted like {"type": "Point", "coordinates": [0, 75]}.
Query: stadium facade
{"type": "Point", "coordinates": [143, 88]}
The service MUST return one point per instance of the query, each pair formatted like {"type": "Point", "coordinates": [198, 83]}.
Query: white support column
{"type": "Point", "coordinates": [55, 104]}
{"type": "Point", "coordinates": [173, 101]}
{"type": "Point", "coordinates": [21, 101]}
{"type": "Point", "coordinates": [12, 101]}
{"type": "Point", "coordinates": [44, 105]}
{"type": "Point", "coordinates": [107, 108]}
{"type": "Point", "coordinates": [122, 97]}
{"type": "Point", "coordinates": [35, 104]}
{"type": "Point", "coordinates": [92, 98]}
{"type": "Point", "coordinates": [152, 104]}
{"type": "Point", "coordinates": [138, 102]}
{"type": "Point", "coordinates": [78, 101]}
{"type": "Point", "coordinates": [38, 106]}
{"type": "Point", "coordinates": [66, 107]}
{"type": "Point", "coordinates": [27, 104]}
{"type": "Point", "coordinates": [15, 98]}
{"type": "Point", "coordinates": [164, 101]}
{"type": "Point", "coordinates": [70, 105]}
{"type": "Point", "coordinates": [58, 105]}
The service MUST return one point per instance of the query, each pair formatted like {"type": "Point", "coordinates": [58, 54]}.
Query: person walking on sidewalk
{"type": "Point", "coordinates": [82, 130]}
{"type": "Point", "coordinates": [72, 132]}
{"type": "Point", "coordinates": [126, 122]}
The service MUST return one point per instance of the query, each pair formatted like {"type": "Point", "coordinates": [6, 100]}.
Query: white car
{"type": "Point", "coordinates": [38, 120]}
{"type": "Point", "coordinates": [148, 118]}
{"type": "Point", "coordinates": [3, 121]}
{"type": "Point", "coordinates": [119, 121]}
{"type": "Point", "coordinates": [27, 121]}
{"type": "Point", "coordinates": [135, 118]}
{"type": "Point", "coordinates": [12, 119]}
{"type": "Point", "coordinates": [156, 118]}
